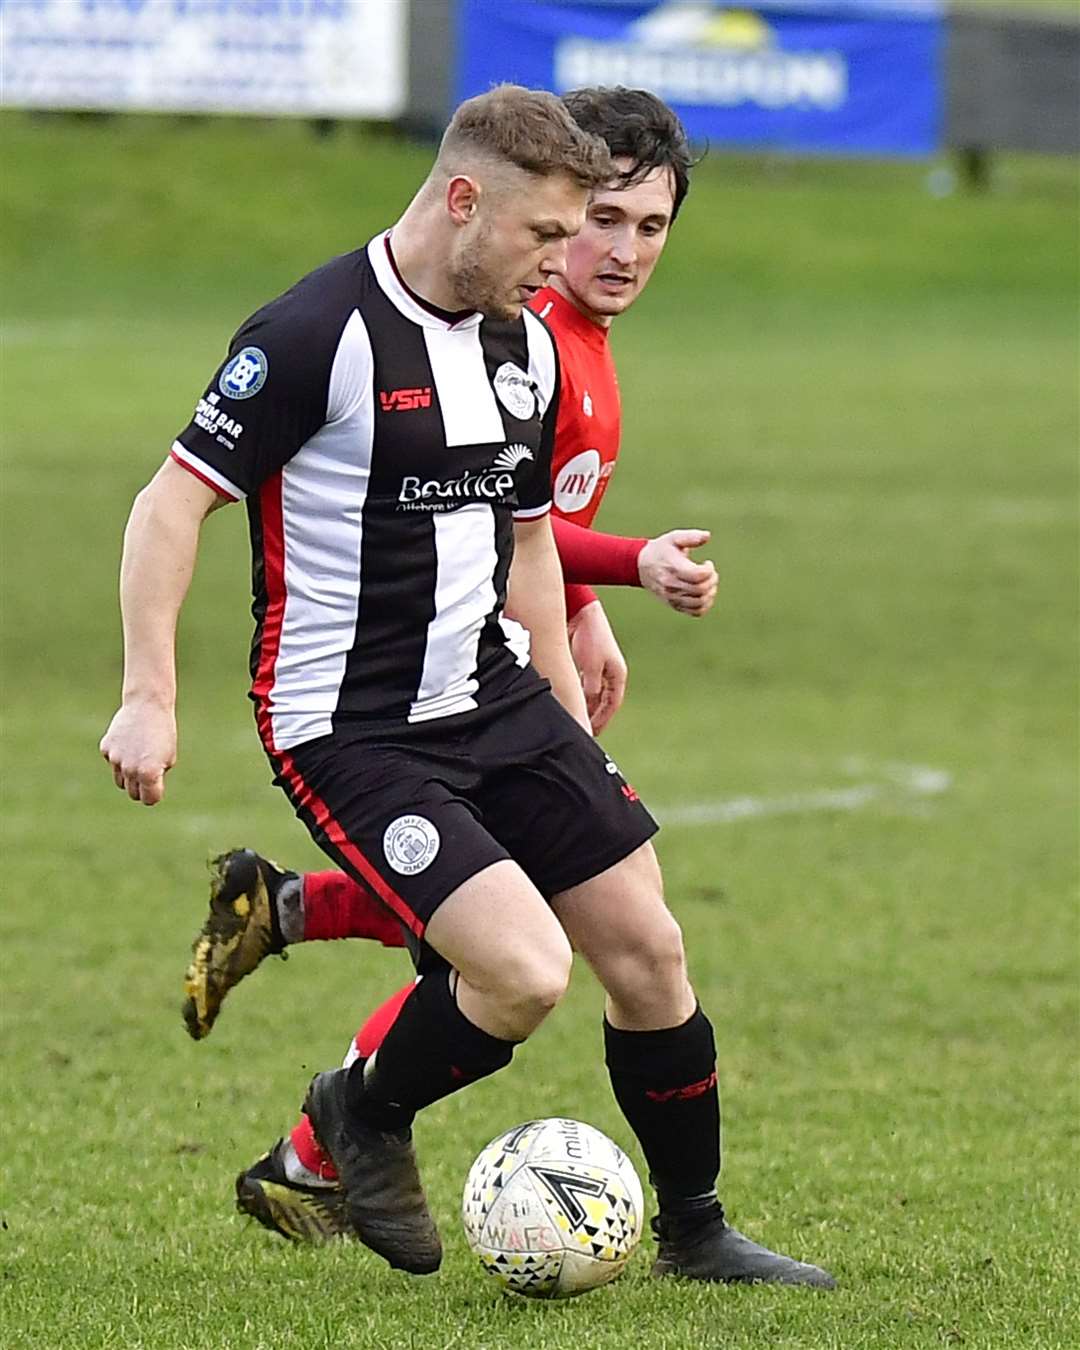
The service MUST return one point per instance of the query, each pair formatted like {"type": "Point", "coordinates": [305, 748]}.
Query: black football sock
{"type": "Point", "coordinates": [431, 1050]}
{"type": "Point", "coordinates": [665, 1083]}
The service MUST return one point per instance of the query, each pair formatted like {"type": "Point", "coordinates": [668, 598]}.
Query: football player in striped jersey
{"type": "Point", "coordinates": [257, 908]}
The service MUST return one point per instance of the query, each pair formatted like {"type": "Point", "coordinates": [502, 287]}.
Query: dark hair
{"type": "Point", "coordinates": [532, 129]}
{"type": "Point", "coordinates": [638, 126]}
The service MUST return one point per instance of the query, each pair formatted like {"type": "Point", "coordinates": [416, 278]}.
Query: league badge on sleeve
{"type": "Point", "coordinates": [245, 374]}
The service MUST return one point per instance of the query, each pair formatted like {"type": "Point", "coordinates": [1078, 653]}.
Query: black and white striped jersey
{"type": "Point", "coordinates": [384, 448]}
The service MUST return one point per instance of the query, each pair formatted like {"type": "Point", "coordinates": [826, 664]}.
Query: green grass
{"type": "Point", "coordinates": [870, 396]}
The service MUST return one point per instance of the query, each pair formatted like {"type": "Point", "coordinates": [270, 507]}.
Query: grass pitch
{"type": "Point", "coordinates": [866, 757]}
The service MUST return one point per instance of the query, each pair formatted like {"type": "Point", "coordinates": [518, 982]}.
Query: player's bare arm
{"type": "Point", "coordinates": [160, 545]}
{"type": "Point", "coordinates": [536, 601]}
{"type": "Point", "coordinates": [600, 663]}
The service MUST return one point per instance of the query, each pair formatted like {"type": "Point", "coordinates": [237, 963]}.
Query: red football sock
{"type": "Point", "coordinates": [336, 906]}
{"type": "Point", "coordinates": [309, 1152]}
{"type": "Point", "coordinates": [367, 1041]}
{"type": "Point", "coordinates": [372, 1034]}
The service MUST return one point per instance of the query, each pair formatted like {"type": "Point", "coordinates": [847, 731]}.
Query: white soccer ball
{"type": "Point", "coordinates": [552, 1208]}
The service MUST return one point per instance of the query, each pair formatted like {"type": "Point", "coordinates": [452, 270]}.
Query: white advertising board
{"type": "Point", "coordinates": [317, 58]}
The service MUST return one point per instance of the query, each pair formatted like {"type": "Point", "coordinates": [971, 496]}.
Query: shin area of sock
{"type": "Point", "coordinates": [430, 1050]}
{"type": "Point", "coordinates": [372, 1034]}
{"type": "Point", "coordinates": [337, 906]}
{"type": "Point", "coordinates": [665, 1083]}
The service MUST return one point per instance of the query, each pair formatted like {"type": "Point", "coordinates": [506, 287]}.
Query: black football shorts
{"type": "Point", "coordinates": [414, 812]}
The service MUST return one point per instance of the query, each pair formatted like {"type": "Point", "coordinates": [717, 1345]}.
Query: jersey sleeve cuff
{"type": "Point", "coordinates": [577, 597]}
{"type": "Point", "coordinates": [532, 512]}
{"type": "Point", "coordinates": [631, 554]}
{"type": "Point", "coordinates": [206, 473]}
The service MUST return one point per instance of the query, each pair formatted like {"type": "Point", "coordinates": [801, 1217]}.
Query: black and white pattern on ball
{"type": "Point", "coordinates": [384, 449]}
{"type": "Point", "coordinates": [552, 1209]}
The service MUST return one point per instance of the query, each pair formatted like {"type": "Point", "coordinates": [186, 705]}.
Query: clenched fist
{"type": "Point", "coordinates": [140, 746]}
{"type": "Point", "coordinates": [666, 568]}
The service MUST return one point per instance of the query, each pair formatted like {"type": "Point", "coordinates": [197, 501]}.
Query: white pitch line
{"type": "Point", "coordinates": [898, 782]}
{"type": "Point", "coordinates": [905, 780]}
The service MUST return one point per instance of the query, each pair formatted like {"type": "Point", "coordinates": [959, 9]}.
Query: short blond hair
{"type": "Point", "coordinates": [530, 128]}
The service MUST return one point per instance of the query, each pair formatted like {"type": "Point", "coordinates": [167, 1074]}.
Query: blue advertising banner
{"type": "Point", "coordinates": [842, 76]}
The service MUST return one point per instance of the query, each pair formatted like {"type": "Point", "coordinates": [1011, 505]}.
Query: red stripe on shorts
{"type": "Point", "coordinates": [334, 831]}
{"type": "Point", "coordinates": [273, 542]}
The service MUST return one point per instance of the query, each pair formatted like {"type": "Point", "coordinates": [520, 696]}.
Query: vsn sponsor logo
{"type": "Point", "coordinates": [495, 484]}
{"type": "Point", "coordinates": [693, 53]}
{"type": "Point", "coordinates": [404, 400]}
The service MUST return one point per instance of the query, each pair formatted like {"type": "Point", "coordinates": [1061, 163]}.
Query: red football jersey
{"type": "Point", "coordinates": [587, 430]}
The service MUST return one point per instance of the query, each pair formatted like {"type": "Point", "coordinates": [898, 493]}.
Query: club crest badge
{"type": "Point", "coordinates": [410, 844]}
{"type": "Point", "coordinates": [515, 391]}
{"type": "Point", "coordinates": [245, 374]}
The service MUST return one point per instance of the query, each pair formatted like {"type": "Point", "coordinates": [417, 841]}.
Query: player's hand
{"type": "Point", "coordinates": [666, 568]}
{"type": "Point", "coordinates": [600, 664]}
{"type": "Point", "coordinates": [140, 746]}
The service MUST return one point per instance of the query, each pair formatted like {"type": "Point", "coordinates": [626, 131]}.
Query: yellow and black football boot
{"type": "Point", "coordinates": [241, 928]}
{"type": "Point", "coordinates": [315, 1214]}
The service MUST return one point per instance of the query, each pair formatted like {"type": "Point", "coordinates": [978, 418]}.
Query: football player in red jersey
{"type": "Point", "coordinates": [609, 264]}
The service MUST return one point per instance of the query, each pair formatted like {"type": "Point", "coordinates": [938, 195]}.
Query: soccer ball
{"type": "Point", "coordinates": [552, 1208]}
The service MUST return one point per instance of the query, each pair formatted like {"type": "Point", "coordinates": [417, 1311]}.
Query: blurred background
{"type": "Point", "coordinates": [857, 365]}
